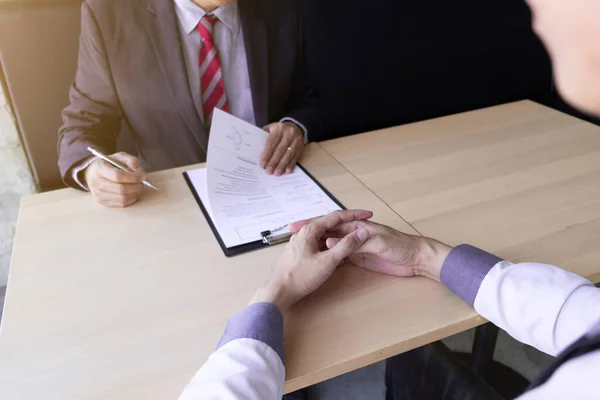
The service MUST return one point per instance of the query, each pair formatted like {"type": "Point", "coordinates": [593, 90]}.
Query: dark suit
{"type": "Point", "coordinates": [132, 70]}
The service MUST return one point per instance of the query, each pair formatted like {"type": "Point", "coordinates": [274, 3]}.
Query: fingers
{"type": "Point", "coordinates": [359, 215]}
{"type": "Point", "coordinates": [292, 166]}
{"type": "Point", "coordinates": [130, 161]}
{"type": "Point", "coordinates": [117, 188]}
{"type": "Point", "coordinates": [274, 139]}
{"type": "Point", "coordinates": [332, 221]}
{"type": "Point", "coordinates": [349, 227]}
{"type": "Point", "coordinates": [113, 174]}
{"type": "Point", "coordinates": [114, 200]}
{"type": "Point", "coordinates": [374, 245]}
{"type": "Point", "coordinates": [346, 246]}
{"type": "Point", "coordinates": [290, 156]}
{"type": "Point", "coordinates": [279, 153]}
{"type": "Point", "coordinates": [283, 149]}
{"type": "Point", "coordinates": [296, 226]}
{"type": "Point", "coordinates": [330, 242]}
{"type": "Point", "coordinates": [111, 194]}
{"type": "Point", "coordinates": [112, 187]}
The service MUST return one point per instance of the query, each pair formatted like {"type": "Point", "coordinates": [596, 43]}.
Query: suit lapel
{"type": "Point", "coordinates": [164, 33]}
{"type": "Point", "coordinates": [255, 39]}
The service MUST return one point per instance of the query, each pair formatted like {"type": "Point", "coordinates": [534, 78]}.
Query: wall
{"type": "Point", "coordinates": [15, 181]}
{"type": "Point", "coordinates": [40, 65]}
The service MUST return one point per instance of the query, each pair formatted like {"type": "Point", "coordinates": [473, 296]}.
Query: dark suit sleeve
{"type": "Point", "coordinates": [304, 104]}
{"type": "Point", "coordinates": [93, 117]}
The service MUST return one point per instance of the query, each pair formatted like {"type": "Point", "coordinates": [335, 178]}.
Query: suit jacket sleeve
{"type": "Point", "coordinates": [304, 104]}
{"type": "Point", "coordinates": [93, 117]}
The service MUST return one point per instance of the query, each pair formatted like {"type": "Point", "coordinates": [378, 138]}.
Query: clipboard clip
{"type": "Point", "coordinates": [271, 237]}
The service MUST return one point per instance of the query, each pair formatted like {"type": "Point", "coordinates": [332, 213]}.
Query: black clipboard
{"type": "Point", "coordinates": [259, 244]}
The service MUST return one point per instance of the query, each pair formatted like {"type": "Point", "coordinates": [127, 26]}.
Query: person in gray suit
{"type": "Point", "coordinates": [161, 67]}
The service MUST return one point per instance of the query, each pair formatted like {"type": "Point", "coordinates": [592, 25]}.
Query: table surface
{"type": "Point", "coordinates": [128, 304]}
{"type": "Point", "coordinates": [125, 304]}
{"type": "Point", "coordinates": [520, 180]}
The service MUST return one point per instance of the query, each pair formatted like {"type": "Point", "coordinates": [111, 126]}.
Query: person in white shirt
{"type": "Point", "coordinates": [541, 305]}
{"type": "Point", "coordinates": [561, 316]}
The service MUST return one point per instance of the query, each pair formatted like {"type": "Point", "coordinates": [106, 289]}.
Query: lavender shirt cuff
{"type": "Point", "coordinates": [464, 270]}
{"type": "Point", "coordinates": [260, 321]}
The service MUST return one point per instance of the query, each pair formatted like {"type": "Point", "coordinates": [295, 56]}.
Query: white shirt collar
{"type": "Point", "coordinates": [190, 14]}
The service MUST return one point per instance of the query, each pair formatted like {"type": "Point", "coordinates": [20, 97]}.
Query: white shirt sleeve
{"type": "Point", "coordinates": [540, 305]}
{"type": "Point", "coordinates": [244, 369]}
{"type": "Point", "coordinates": [78, 169]}
{"type": "Point", "coordinates": [248, 363]}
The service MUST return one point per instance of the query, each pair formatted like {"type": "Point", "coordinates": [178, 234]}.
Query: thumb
{"type": "Point", "coordinates": [296, 226]}
{"type": "Point", "coordinates": [347, 246]}
{"type": "Point", "coordinates": [128, 160]}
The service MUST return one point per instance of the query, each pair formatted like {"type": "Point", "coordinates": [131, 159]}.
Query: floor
{"type": "Point", "coordinates": [368, 383]}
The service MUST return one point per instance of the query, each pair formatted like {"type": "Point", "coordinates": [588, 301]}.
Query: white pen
{"type": "Point", "coordinates": [117, 165]}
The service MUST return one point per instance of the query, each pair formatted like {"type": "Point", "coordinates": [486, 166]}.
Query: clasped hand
{"type": "Point", "coordinates": [321, 245]}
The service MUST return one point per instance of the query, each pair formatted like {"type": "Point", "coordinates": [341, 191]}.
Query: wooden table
{"type": "Point", "coordinates": [128, 304]}
{"type": "Point", "coordinates": [519, 180]}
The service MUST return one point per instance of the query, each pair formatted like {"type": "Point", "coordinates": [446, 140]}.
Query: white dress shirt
{"type": "Point", "coordinates": [540, 305]}
{"type": "Point", "coordinates": [229, 40]}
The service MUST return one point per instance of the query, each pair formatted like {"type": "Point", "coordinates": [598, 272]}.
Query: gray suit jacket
{"type": "Point", "coordinates": [132, 70]}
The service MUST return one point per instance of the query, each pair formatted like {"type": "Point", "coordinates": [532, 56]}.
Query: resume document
{"type": "Point", "coordinates": [240, 198]}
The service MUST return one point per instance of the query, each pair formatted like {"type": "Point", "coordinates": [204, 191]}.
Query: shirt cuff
{"type": "Point", "coordinates": [288, 119]}
{"type": "Point", "coordinates": [260, 321]}
{"type": "Point", "coordinates": [80, 168]}
{"type": "Point", "coordinates": [464, 269]}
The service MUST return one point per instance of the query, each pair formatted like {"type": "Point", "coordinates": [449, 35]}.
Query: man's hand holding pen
{"type": "Point", "coordinates": [112, 187]}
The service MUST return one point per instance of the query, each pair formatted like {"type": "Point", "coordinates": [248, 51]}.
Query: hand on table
{"type": "Point", "coordinates": [112, 187]}
{"type": "Point", "coordinates": [389, 251]}
{"type": "Point", "coordinates": [284, 148]}
{"type": "Point", "coordinates": [303, 267]}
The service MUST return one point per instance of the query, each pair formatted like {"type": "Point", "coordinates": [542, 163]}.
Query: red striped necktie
{"type": "Point", "coordinates": [211, 74]}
